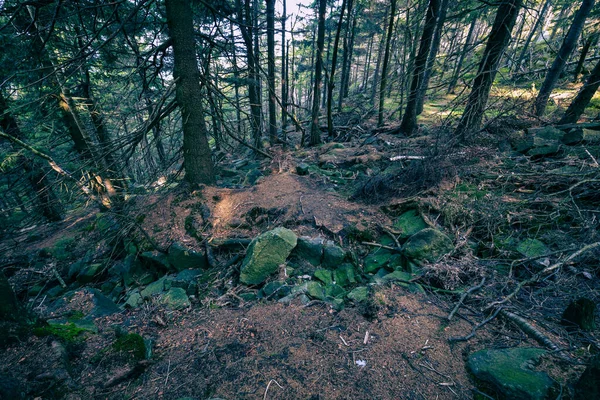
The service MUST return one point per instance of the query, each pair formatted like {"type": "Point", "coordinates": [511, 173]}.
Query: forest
{"type": "Point", "coordinates": [299, 199]}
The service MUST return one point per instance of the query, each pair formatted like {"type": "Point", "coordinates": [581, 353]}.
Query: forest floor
{"type": "Point", "coordinates": [494, 203]}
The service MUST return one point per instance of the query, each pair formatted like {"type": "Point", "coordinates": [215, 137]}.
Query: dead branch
{"type": "Point", "coordinates": [464, 296]}
{"type": "Point", "coordinates": [475, 328]}
{"type": "Point", "coordinates": [382, 246]}
{"type": "Point", "coordinates": [529, 330]}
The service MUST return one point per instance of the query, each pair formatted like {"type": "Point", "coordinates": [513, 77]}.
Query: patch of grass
{"type": "Point", "coordinates": [68, 333]}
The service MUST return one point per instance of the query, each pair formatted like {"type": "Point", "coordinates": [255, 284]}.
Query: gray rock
{"type": "Point", "coordinates": [572, 137]}
{"type": "Point", "coordinates": [181, 258]}
{"type": "Point", "coordinates": [188, 280]}
{"type": "Point", "coordinates": [359, 294]}
{"type": "Point", "coordinates": [103, 306]}
{"type": "Point", "coordinates": [428, 245]}
{"type": "Point", "coordinates": [155, 260]}
{"type": "Point", "coordinates": [544, 150]}
{"type": "Point", "coordinates": [509, 373]}
{"type": "Point", "coordinates": [315, 290]}
{"type": "Point", "coordinates": [310, 249]}
{"type": "Point", "coordinates": [332, 255]}
{"type": "Point", "coordinates": [265, 254]}
{"type": "Point", "coordinates": [155, 288]}
{"type": "Point", "coordinates": [409, 223]}
{"type": "Point", "coordinates": [89, 273]}
{"type": "Point", "coordinates": [302, 169]}
{"type": "Point", "coordinates": [176, 299]}
{"type": "Point", "coordinates": [134, 300]}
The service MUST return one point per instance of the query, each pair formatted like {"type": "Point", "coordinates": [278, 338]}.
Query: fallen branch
{"type": "Point", "coordinates": [382, 246]}
{"type": "Point", "coordinates": [530, 330]}
{"type": "Point", "coordinates": [464, 296]}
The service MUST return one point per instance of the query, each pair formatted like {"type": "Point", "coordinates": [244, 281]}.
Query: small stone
{"type": "Point", "coordinates": [302, 169]}
{"type": "Point", "coordinates": [324, 275]}
{"type": "Point", "coordinates": [545, 150]}
{"type": "Point", "coordinates": [176, 299]}
{"type": "Point", "coordinates": [332, 255]}
{"type": "Point", "coordinates": [154, 289]}
{"type": "Point", "coordinates": [155, 260]}
{"type": "Point", "coordinates": [359, 294]}
{"type": "Point", "coordinates": [89, 273]}
{"type": "Point", "coordinates": [315, 290]}
{"type": "Point", "coordinates": [344, 275]}
{"type": "Point", "coordinates": [334, 291]}
{"type": "Point", "coordinates": [310, 249]}
{"type": "Point", "coordinates": [134, 300]}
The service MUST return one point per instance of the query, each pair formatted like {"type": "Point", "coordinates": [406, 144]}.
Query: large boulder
{"type": "Point", "coordinates": [265, 254]}
{"type": "Point", "coordinates": [509, 373]}
{"type": "Point", "coordinates": [428, 245]}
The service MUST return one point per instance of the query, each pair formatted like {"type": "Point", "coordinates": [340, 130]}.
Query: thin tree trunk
{"type": "Point", "coordinates": [315, 132]}
{"type": "Point", "coordinates": [196, 151]}
{"type": "Point", "coordinates": [435, 46]}
{"type": "Point", "coordinates": [578, 105]}
{"type": "Point", "coordinates": [496, 45]}
{"type": "Point", "coordinates": [409, 119]}
{"type": "Point", "coordinates": [271, 71]}
{"type": "Point", "coordinates": [592, 40]}
{"type": "Point", "coordinates": [538, 23]}
{"type": "Point", "coordinates": [284, 72]}
{"type": "Point", "coordinates": [332, 72]}
{"type": "Point", "coordinates": [386, 60]}
{"type": "Point", "coordinates": [463, 54]}
{"type": "Point", "coordinates": [569, 44]}
{"type": "Point", "coordinates": [375, 83]}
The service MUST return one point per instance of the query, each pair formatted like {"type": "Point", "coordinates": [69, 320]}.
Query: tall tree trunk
{"type": "Point", "coordinates": [245, 25]}
{"type": "Point", "coordinates": [435, 46]}
{"type": "Point", "coordinates": [284, 72]}
{"type": "Point", "coordinates": [332, 72]}
{"type": "Point", "coordinates": [367, 67]}
{"type": "Point", "coordinates": [409, 119]}
{"type": "Point", "coordinates": [496, 45]}
{"type": "Point", "coordinates": [569, 44]}
{"type": "Point", "coordinates": [196, 151]}
{"type": "Point", "coordinates": [257, 58]}
{"type": "Point", "coordinates": [583, 98]}
{"type": "Point", "coordinates": [347, 59]}
{"type": "Point", "coordinates": [592, 40]}
{"type": "Point", "coordinates": [271, 71]}
{"type": "Point", "coordinates": [375, 83]}
{"type": "Point", "coordinates": [236, 84]}
{"type": "Point", "coordinates": [47, 201]}
{"type": "Point", "coordinates": [315, 132]}
{"type": "Point", "coordinates": [558, 21]}
{"type": "Point", "coordinates": [386, 60]}
{"type": "Point", "coordinates": [463, 55]}
{"type": "Point", "coordinates": [538, 23]}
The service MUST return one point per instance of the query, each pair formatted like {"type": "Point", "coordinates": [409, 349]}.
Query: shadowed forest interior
{"type": "Point", "coordinates": [310, 199]}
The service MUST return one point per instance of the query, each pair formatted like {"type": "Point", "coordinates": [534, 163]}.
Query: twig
{"type": "Point", "coordinates": [545, 271]}
{"type": "Point", "coordinates": [475, 328]}
{"type": "Point", "coordinates": [382, 246]}
{"type": "Point", "coordinates": [59, 278]}
{"type": "Point", "coordinates": [269, 385]}
{"type": "Point", "coordinates": [595, 162]}
{"type": "Point", "coordinates": [386, 230]}
{"type": "Point", "coordinates": [464, 296]}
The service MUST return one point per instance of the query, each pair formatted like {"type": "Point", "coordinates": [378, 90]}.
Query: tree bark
{"type": "Point", "coordinates": [435, 46]}
{"type": "Point", "coordinates": [569, 44]}
{"type": "Point", "coordinates": [271, 71]}
{"type": "Point", "coordinates": [196, 151]}
{"type": "Point", "coordinates": [332, 72]}
{"type": "Point", "coordinates": [583, 98]}
{"type": "Point", "coordinates": [284, 71]}
{"type": "Point", "coordinates": [386, 60]}
{"type": "Point", "coordinates": [592, 40]}
{"type": "Point", "coordinates": [496, 45]}
{"type": "Point", "coordinates": [538, 23]}
{"type": "Point", "coordinates": [409, 119]}
{"type": "Point", "coordinates": [315, 132]}
{"type": "Point", "coordinates": [463, 55]}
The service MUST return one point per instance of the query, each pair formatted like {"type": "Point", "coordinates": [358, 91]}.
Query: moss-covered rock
{"type": "Point", "coordinates": [509, 373]}
{"type": "Point", "coordinates": [409, 223]}
{"type": "Point", "coordinates": [265, 254]}
{"type": "Point", "coordinates": [324, 275]}
{"type": "Point", "coordinates": [132, 345]}
{"type": "Point", "coordinates": [359, 294]}
{"type": "Point", "coordinates": [156, 288]}
{"type": "Point", "coordinates": [332, 255]}
{"type": "Point", "coordinates": [532, 248]}
{"type": "Point", "coordinates": [345, 275]}
{"type": "Point", "coordinates": [310, 249]}
{"type": "Point", "coordinates": [428, 245]}
{"type": "Point", "coordinates": [176, 299]}
{"type": "Point", "coordinates": [580, 313]}
{"type": "Point", "coordinates": [588, 385]}
{"type": "Point", "coordinates": [315, 290]}
{"type": "Point", "coordinates": [89, 273]}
